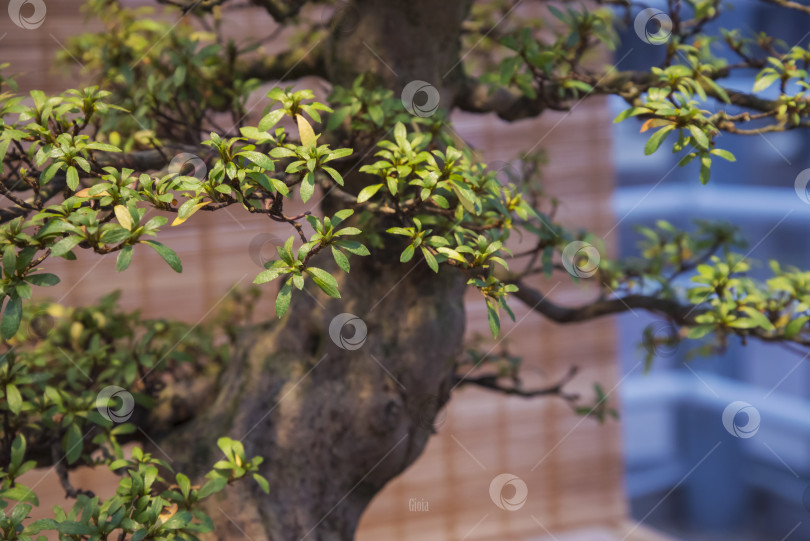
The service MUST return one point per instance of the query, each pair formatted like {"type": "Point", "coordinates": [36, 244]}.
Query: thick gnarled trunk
{"type": "Point", "coordinates": [335, 423]}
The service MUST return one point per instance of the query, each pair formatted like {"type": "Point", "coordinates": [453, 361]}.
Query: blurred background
{"type": "Point", "coordinates": [668, 468]}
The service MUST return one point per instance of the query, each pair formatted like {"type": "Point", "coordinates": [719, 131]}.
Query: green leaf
{"type": "Point", "coordinates": [13, 398]}
{"type": "Point", "coordinates": [283, 298]}
{"type": "Point", "coordinates": [102, 146]}
{"type": "Point", "coordinates": [654, 142]}
{"type": "Point", "coordinates": [757, 317]}
{"type": "Point", "coordinates": [257, 158]}
{"type": "Point", "coordinates": [494, 319]}
{"type": "Point", "coordinates": [699, 136]}
{"type": "Point", "coordinates": [65, 245]}
{"type": "Point", "coordinates": [337, 118]}
{"type": "Point", "coordinates": [263, 484]}
{"type": "Point", "coordinates": [124, 258]}
{"type": "Point", "coordinates": [50, 172]}
{"type": "Point", "coordinates": [376, 114]}
{"type": "Point", "coordinates": [764, 82]}
{"type": "Point", "coordinates": [270, 119]}
{"type": "Point", "coordinates": [20, 493]}
{"type": "Point", "coordinates": [72, 178]}
{"type": "Point", "coordinates": [325, 281]}
{"type": "Point", "coordinates": [168, 255]}
{"type": "Point", "coordinates": [725, 154]}
{"type": "Point", "coordinates": [270, 274]}
{"type": "Point", "coordinates": [17, 450]}
{"type": "Point", "coordinates": [633, 111]}
{"type": "Point", "coordinates": [795, 326]}
{"type": "Point", "coordinates": [705, 168]}
{"type": "Point", "coordinates": [73, 443]}
{"type": "Point", "coordinates": [307, 187]}
{"type": "Point", "coordinates": [214, 485]}
{"type": "Point", "coordinates": [367, 192]}
{"type": "Point", "coordinates": [431, 259]}
{"type": "Point", "coordinates": [340, 259]}
{"type": "Point", "coordinates": [699, 332]}
{"type": "Point", "coordinates": [407, 254]}
{"type": "Point", "coordinates": [177, 521]}
{"type": "Point", "coordinates": [11, 318]}
{"type": "Point", "coordinates": [44, 279]}
{"type": "Point", "coordinates": [334, 174]}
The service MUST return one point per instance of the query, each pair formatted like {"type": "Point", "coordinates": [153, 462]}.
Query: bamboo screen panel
{"type": "Point", "coordinates": [572, 466]}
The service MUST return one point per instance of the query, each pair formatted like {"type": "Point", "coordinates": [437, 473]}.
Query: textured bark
{"type": "Point", "coordinates": [335, 424]}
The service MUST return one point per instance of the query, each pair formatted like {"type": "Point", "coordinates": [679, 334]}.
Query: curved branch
{"type": "Point", "coordinates": [476, 97]}
{"type": "Point", "coordinates": [537, 301]}
{"type": "Point", "coordinates": [490, 381]}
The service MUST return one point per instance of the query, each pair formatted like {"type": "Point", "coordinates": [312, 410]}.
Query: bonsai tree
{"type": "Point", "coordinates": [298, 420]}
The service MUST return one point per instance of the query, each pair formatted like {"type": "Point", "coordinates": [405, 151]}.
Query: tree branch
{"type": "Point", "coordinates": [490, 381]}
{"type": "Point", "coordinates": [537, 301]}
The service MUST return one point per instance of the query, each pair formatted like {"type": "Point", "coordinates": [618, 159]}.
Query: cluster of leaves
{"type": "Point", "coordinates": [535, 62]}
{"type": "Point", "coordinates": [146, 504]}
{"type": "Point", "coordinates": [168, 76]}
{"type": "Point", "coordinates": [452, 210]}
{"type": "Point", "coordinates": [700, 270]}
{"type": "Point", "coordinates": [50, 379]}
{"type": "Point", "coordinates": [105, 206]}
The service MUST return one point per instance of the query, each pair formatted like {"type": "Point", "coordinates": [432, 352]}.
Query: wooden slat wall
{"type": "Point", "coordinates": [571, 465]}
